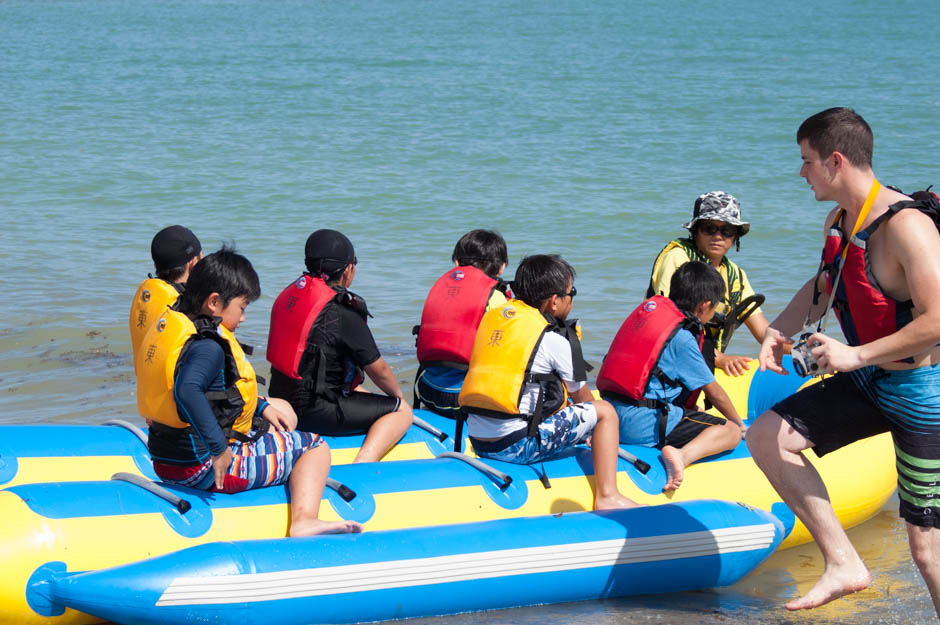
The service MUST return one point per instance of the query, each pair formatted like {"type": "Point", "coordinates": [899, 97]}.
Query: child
{"type": "Point", "coordinates": [175, 251]}
{"type": "Point", "coordinates": [655, 367]}
{"type": "Point", "coordinates": [517, 400]}
{"type": "Point", "coordinates": [451, 315]}
{"type": "Point", "coordinates": [319, 345]}
{"type": "Point", "coordinates": [195, 384]}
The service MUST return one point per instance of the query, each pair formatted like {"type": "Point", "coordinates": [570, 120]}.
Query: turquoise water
{"type": "Point", "coordinates": [586, 129]}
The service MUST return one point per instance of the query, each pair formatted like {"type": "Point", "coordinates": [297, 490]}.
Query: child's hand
{"type": "Point", "coordinates": [220, 467]}
{"type": "Point", "coordinates": [280, 421]}
{"type": "Point", "coordinates": [743, 429]}
{"type": "Point", "coordinates": [732, 365]}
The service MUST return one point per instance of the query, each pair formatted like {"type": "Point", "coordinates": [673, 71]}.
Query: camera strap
{"type": "Point", "coordinates": [866, 208]}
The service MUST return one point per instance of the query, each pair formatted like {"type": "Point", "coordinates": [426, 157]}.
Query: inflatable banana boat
{"type": "Point", "coordinates": [422, 572]}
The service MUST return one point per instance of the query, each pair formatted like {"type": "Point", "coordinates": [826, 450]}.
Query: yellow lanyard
{"type": "Point", "coordinates": [866, 208]}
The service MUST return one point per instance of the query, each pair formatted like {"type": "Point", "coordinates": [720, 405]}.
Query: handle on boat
{"type": "Point", "coordinates": [496, 475]}
{"type": "Point", "coordinates": [127, 425]}
{"type": "Point", "coordinates": [424, 425]}
{"type": "Point", "coordinates": [341, 489]}
{"type": "Point", "coordinates": [641, 466]}
{"type": "Point", "coordinates": [181, 504]}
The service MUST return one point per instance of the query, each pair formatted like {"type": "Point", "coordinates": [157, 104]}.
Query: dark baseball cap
{"type": "Point", "coordinates": [331, 247]}
{"type": "Point", "coordinates": [174, 246]}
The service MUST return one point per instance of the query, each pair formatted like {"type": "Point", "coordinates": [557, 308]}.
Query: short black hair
{"type": "Point", "coordinates": [694, 283]}
{"type": "Point", "coordinates": [540, 276]}
{"type": "Point", "coordinates": [839, 130]}
{"type": "Point", "coordinates": [171, 275]}
{"type": "Point", "coordinates": [483, 249]}
{"type": "Point", "coordinates": [225, 272]}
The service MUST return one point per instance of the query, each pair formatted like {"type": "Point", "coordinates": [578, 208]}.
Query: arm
{"type": "Point", "coordinates": [583, 395]}
{"type": "Point", "coordinates": [383, 377]}
{"type": "Point", "coordinates": [719, 398]}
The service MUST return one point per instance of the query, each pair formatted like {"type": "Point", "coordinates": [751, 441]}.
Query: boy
{"type": "Point", "coordinates": [194, 383]}
{"type": "Point", "coordinates": [451, 315]}
{"type": "Point", "coordinates": [319, 345]}
{"type": "Point", "coordinates": [526, 360]}
{"type": "Point", "coordinates": [655, 368]}
{"type": "Point", "coordinates": [175, 251]}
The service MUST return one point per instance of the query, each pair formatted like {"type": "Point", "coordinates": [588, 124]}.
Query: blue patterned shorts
{"type": "Point", "coordinates": [567, 427]}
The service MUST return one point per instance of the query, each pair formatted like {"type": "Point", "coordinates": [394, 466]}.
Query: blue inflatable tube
{"type": "Point", "coordinates": [427, 571]}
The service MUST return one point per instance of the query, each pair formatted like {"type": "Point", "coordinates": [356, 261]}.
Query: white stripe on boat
{"type": "Point", "coordinates": [312, 582]}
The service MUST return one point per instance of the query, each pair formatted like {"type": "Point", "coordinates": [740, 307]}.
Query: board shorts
{"type": "Point", "coordinates": [266, 461]}
{"type": "Point", "coordinates": [564, 429]}
{"type": "Point", "coordinates": [346, 414]}
{"type": "Point", "coordinates": [692, 423]}
{"type": "Point", "coordinates": [851, 406]}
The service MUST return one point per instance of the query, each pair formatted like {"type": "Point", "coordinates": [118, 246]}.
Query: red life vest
{"type": "Point", "coordinates": [864, 311]}
{"type": "Point", "coordinates": [634, 355]}
{"type": "Point", "coordinates": [292, 316]}
{"type": "Point", "coordinates": [451, 315]}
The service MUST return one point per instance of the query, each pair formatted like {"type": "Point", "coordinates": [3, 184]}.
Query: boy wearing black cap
{"type": "Point", "coordinates": [175, 251]}
{"type": "Point", "coordinates": [319, 346]}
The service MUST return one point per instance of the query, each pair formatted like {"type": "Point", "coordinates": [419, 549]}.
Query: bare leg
{"type": "Point", "coordinates": [711, 440]}
{"type": "Point", "coordinates": [925, 548]}
{"type": "Point", "coordinates": [307, 480]}
{"type": "Point", "coordinates": [384, 433]}
{"type": "Point", "coordinates": [604, 443]}
{"type": "Point", "coordinates": [777, 449]}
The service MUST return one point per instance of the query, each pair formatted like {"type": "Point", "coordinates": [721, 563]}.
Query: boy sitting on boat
{"type": "Point", "coordinates": [175, 251]}
{"type": "Point", "coordinates": [526, 364]}
{"type": "Point", "coordinates": [319, 346]}
{"type": "Point", "coordinates": [210, 427]}
{"type": "Point", "coordinates": [654, 371]}
{"type": "Point", "coordinates": [452, 312]}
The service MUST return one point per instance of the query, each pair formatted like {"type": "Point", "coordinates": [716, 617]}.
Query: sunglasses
{"type": "Point", "coordinates": [711, 229]}
{"type": "Point", "coordinates": [570, 293]}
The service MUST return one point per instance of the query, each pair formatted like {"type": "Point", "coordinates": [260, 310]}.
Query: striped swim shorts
{"type": "Point", "coordinates": [855, 405]}
{"type": "Point", "coordinates": [266, 461]}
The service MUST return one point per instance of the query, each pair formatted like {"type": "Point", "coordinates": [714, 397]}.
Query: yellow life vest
{"type": "Point", "coordinates": [156, 364]}
{"type": "Point", "coordinates": [153, 297]}
{"type": "Point", "coordinates": [500, 364]}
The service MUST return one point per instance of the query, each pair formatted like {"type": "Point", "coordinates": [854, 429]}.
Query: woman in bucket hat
{"type": "Point", "coordinates": [715, 225]}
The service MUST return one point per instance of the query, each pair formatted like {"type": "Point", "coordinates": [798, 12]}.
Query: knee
{"type": "Point", "coordinates": [923, 548]}
{"type": "Point", "coordinates": [605, 410]}
{"type": "Point", "coordinates": [762, 435]}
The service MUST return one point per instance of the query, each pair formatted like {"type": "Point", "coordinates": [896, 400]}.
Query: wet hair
{"type": "Point", "coordinates": [839, 130]}
{"type": "Point", "coordinates": [224, 272]}
{"type": "Point", "coordinates": [694, 283]}
{"type": "Point", "coordinates": [483, 249]}
{"type": "Point", "coordinates": [540, 276]}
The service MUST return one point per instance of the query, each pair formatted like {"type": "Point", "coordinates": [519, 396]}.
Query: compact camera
{"type": "Point", "coordinates": [803, 362]}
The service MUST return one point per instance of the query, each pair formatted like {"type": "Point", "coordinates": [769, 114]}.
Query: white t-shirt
{"type": "Point", "coordinates": [553, 355]}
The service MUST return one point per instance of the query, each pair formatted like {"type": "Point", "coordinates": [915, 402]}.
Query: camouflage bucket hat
{"type": "Point", "coordinates": [718, 206]}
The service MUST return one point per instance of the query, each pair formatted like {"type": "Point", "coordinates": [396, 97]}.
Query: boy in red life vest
{"type": "Point", "coordinates": [526, 364]}
{"type": "Point", "coordinates": [210, 429]}
{"type": "Point", "coordinates": [319, 346]}
{"type": "Point", "coordinates": [655, 369]}
{"type": "Point", "coordinates": [451, 315]}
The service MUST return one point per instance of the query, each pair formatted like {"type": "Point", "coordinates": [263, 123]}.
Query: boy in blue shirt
{"type": "Point", "coordinates": [210, 428]}
{"type": "Point", "coordinates": [655, 370]}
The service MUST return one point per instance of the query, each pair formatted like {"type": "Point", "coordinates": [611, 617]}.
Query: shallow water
{"type": "Point", "coordinates": [583, 129]}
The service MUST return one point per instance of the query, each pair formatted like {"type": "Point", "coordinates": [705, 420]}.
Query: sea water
{"type": "Point", "coordinates": [585, 129]}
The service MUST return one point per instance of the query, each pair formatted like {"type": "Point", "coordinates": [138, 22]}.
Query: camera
{"type": "Point", "coordinates": [803, 362]}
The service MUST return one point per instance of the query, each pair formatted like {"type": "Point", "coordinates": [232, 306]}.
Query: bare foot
{"type": "Point", "coordinates": [316, 526]}
{"type": "Point", "coordinates": [615, 502]}
{"type": "Point", "coordinates": [836, 582]}
{"type": "Point", "coordinates": [675, 467]}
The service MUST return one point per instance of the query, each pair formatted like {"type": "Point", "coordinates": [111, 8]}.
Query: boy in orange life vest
{"type": "Point", "coordinates": [526, 360]}
{"type": "Point", "coordinates": [175, 251]}
{"type": "Point", "coordinates": [319, 345]}
{"type": "Point", "coordinates": [451, 315]}
{"type": "Point", "coordinates": [655, 368]}
{"type": "Point", "coordinates": [204, 432]}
